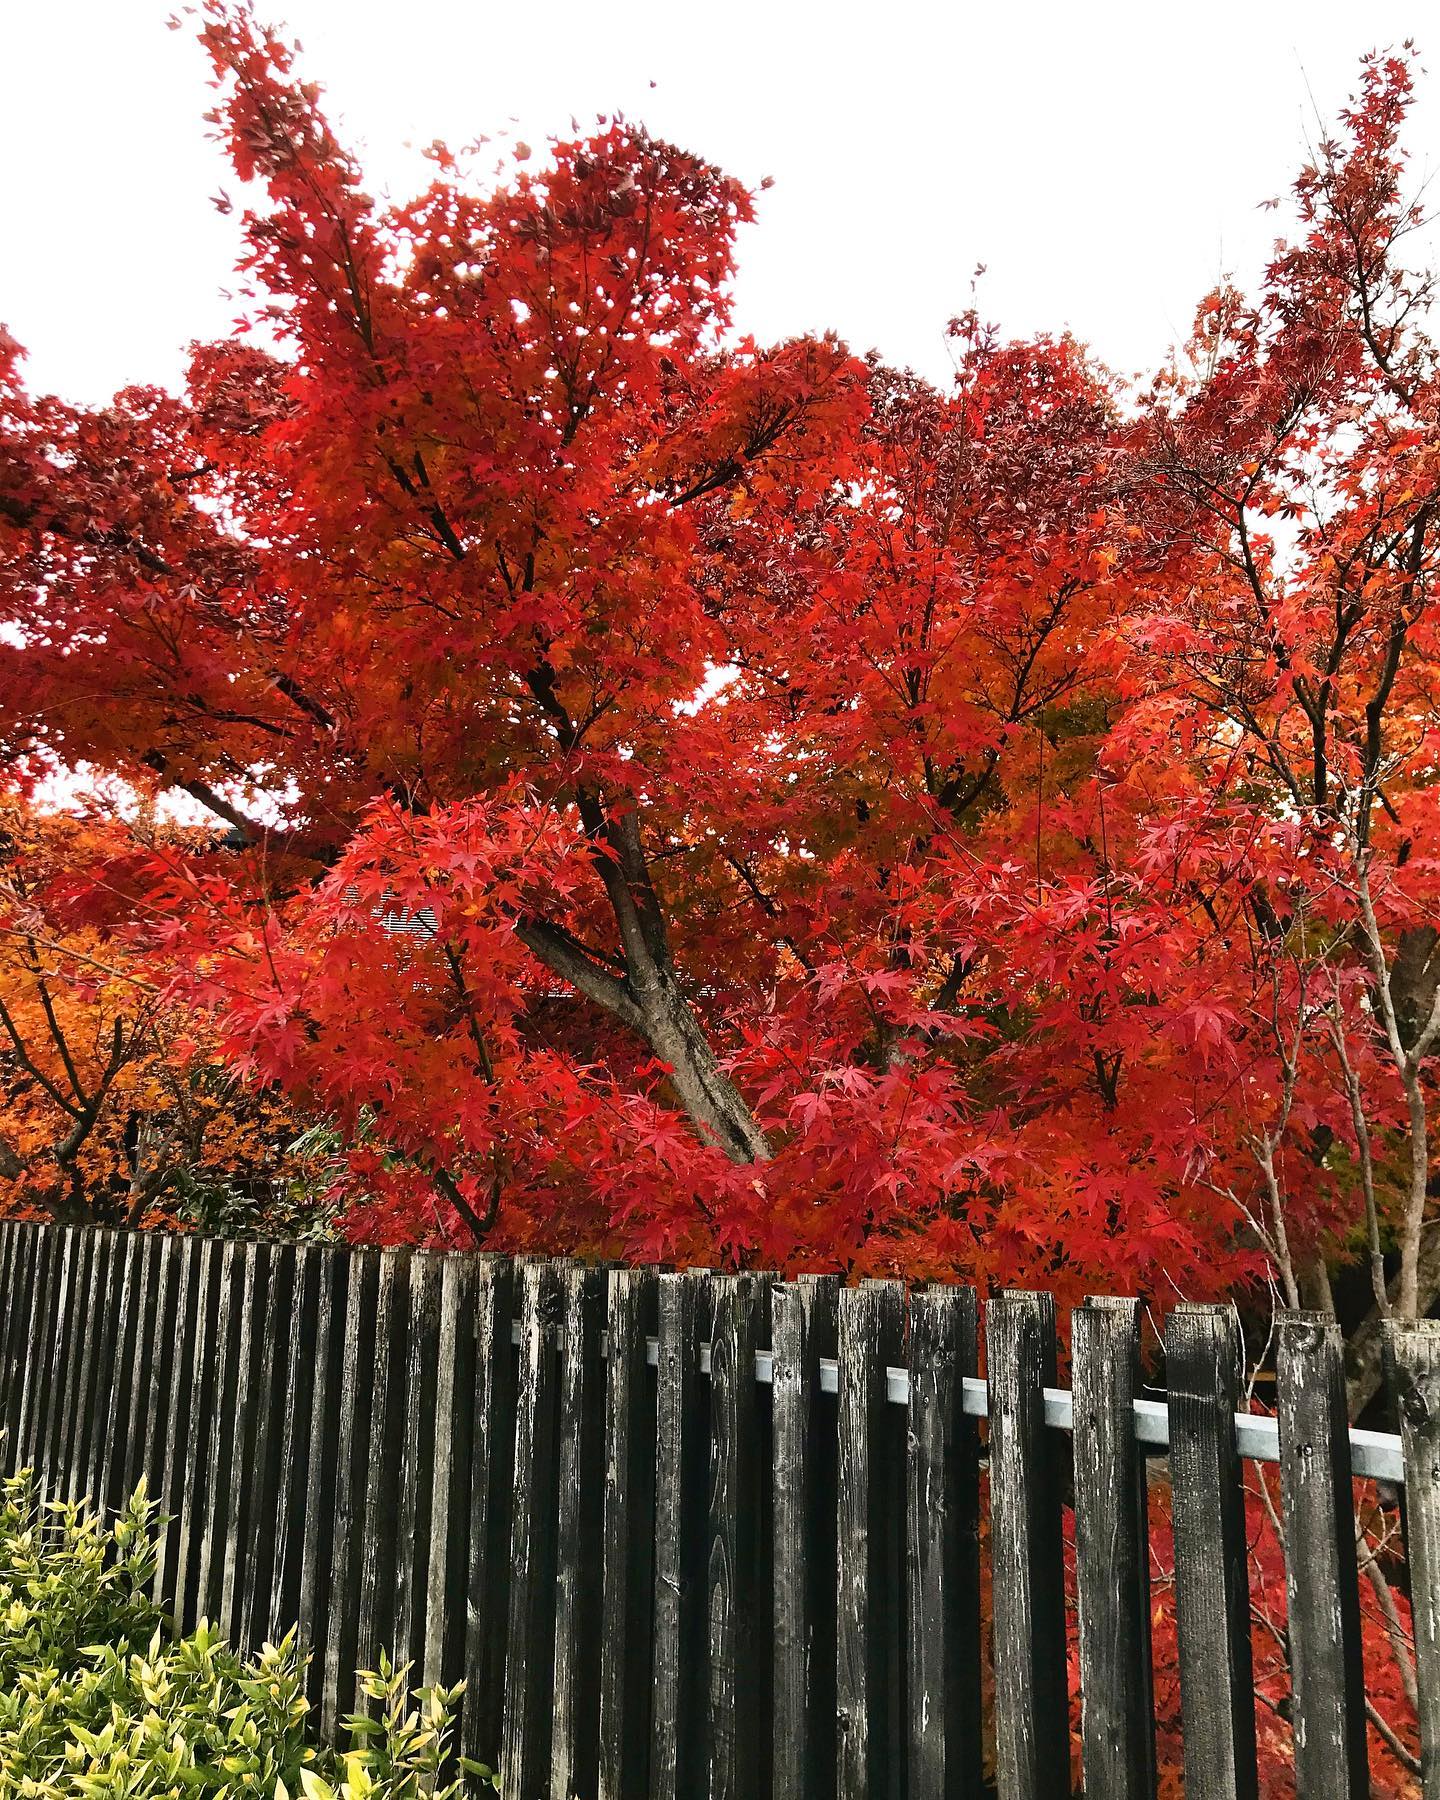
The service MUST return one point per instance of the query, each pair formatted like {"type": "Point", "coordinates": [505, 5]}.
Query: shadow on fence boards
{"type": "Point", "coordinates": [692, 1534]}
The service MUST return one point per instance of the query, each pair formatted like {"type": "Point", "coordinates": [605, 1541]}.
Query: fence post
{"type": "Point", "coordinates": [1202, 1361]}
{"type": "Point", "coordinates": [1321, 1576]}
{"type": "Point", "coordinates": [581, 1482]}
{"type": "Point", "coordinates": [1032, 1727]}
{"type": "Point", "coordinates": [943, 1550]}
{"type": "Point", "coordinates": [627, 1556]}
{"type": "Point", "coordinates": [1416, 1366]}
{"type": "Point", "coordinates": [803, 1330]}
{"type": "Point", "coordinates": [1112, 1554]}
{"type": "Point", "coordinates": [869, 1751]}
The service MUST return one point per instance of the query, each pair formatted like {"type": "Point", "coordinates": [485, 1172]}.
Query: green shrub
{"type": "Point", "coordinates": [100, 1698]}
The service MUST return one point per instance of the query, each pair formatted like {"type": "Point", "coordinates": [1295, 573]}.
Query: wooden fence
{"type": "Point", "coordinates": [693, 1534]}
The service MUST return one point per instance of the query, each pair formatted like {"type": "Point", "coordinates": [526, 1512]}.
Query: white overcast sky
{"type": "Point", "coordinates": [1105, 161]}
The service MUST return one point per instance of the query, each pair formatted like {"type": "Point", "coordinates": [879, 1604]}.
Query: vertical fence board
{"type": "Point", "coordinates": [379, 1537]}
{"type": "Point", "coordinates": [530, 1648]}
{"type": "Point", "coordinates": [868, 1759]}
{"type": "Point", "coordinates": [219, 1450]}
{"type": "Point", "coordinates": [1112, 1554]}
{"type": "Point", "coordinates": [62, 1354]}
{"type": "Point", "coordinates": [299, 1379]}
{"type": "Point", "coordinates": [319, 1483]}
{"type": "Point", "coordinates": [627, 1554]}
{"type": "Point", "coordinates": [1032, 1734]}
{"type": "Point", "coordinates": [271, 1397]}
{"type": "Point", "coordinates": [1202, 1361]}
{"type": "Point", "coordinates": [37, 1351]}
{"type": "Point", "coordinates": [581, 1483]}
{"type": "Point", "coordinates": [1415, 1371]}
{"type": "Point", "coordinates": [163, 1371]}
{"type": "Point", "coordinates": [206, 1268]}
{"type": "Point", "coordinates": [685, 1310]}
{"type": "Point", "coordinates": [82, 1299]}
{"type": "Point", "coordinates": [357, 1367]}
{"type": "Point", "coordinates": [738, 1689]}
{"type": "Point", "coordinates": [1322, 1583]}
{"type": "Point", "coordinates": [445, 1574]}
{"type": "Point", "coordinates": [182, 1395]}
{"type": "Point", "coordinates": [129, 1333]}
{"type": "Point", "coordinates": [943, 1551]}
{"type": "Point", "coordinates": [803, 1330]}
{"type": "Point", "coordinates": [491, 1462]}
{"type": "Point", "coordinates": [244, 1478]}
{"type": "Point", "coordinates": [140, 1385]}
{"type": "Point", "coordinates": [18, 1338]}
{"type": "Point", "coordinates": [417, 1472]}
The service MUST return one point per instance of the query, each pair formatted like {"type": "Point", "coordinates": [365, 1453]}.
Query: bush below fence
{"type": "Point", "coordinates": [689, 1533]}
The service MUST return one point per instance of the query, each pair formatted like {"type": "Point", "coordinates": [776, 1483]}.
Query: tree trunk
{"type": "Point", "coordinates": [709, 1097]}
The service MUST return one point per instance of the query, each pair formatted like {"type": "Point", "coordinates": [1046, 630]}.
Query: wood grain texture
{"type": "Point", "coordinates": [942, 1541]}
{"type": "Point", "coordinates": [1112, 1553]}
{"type": "Point", "coordinates": [342, 1599]}
{"type": "Point", "coordinates": [492, 1459]}
{"type": "Point", "coordinates": [442, 1661]}
{"type": "Point", "coordinates": [319, 1478]}
{"type": "Point", "coordinates": [1203, 1352]}
{"type": "Point", "coordinates": [379, 1529]}
{"type": "Point", "coordinates": [574, 1741]}
{"type": "Point", "coordinates": [1415, 1372]}
{"type": "Point", "coordinates": [1032, 1734]}
{"type": "Point", "coordinates": [417, 1459]}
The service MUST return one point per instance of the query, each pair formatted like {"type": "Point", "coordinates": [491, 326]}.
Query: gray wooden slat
{"type": "Point", "coordinates": [379, 1539]}
{"type": "Point", "coordinates": [1031, 1704]}
{"type": "Point", "coordinates": [447, 1568]}
{"type": "Point", "coordinates": [628, 1549]}
{"type": "Point", "coordinates": [357, 1367]}
{"type": "Point", "coordinates": [276, 1313]}
{"type": "Point", "coordinates": [682, 1455]}
{"type": "Point", "coordinates": [1322, 1583]}
{"type": "Point", "coordinates": [100, 1396]}
{"type": "Point", "coordinates": [803, 1329]}
{"type": "Point", "coordinates": [20, 1277]}
{"type": "Point", "coordinates": [164, 1368]}
{"type": "Point", "coordinates": [38, 1349]}
{"type": "Point", "coordinates": [492, 1461]}
{"type": "Point", "coordinates": [219, 1450]}
{"type": "Point", "coordinates": [207, 1268]}
{"type": "Point", "coordinates": [1202, 1361]}
{"type": "Point", "coordinates": [1415, 1372]}
{"type": "Point", "coordinates": [16, 1296]}
{"type": "Point", "coordinates": [68, 1424]}
{"type": "Point", "coordinates": [301, 1378]}
{"type": "Point", "coordinates": [318, 1493]}
{"type": "Point", "coordinates": [530, 1650]}
{"type": "Point", "coordinates": [574, 1742]}
{"type": "Point", "coordinates": [738, 1688]}
{"type": "Point", "coordinates": [417, 1459]}
{"type": "Point", "coordinates": [943, 1551]}
{"type": "Point", "coordinates": [1112, 1555]}
{"type": "Point", "coordinates": [139, 1386]}
{"type": "Point", "coordinates": [93, 1377]}
{"type": "Point", "coordinates": [59, 1373]}
{"type": "Point", "coordinates": [869, 1753]}
{"type": "Point", "coordinates": [129, 1327]}
{"type": "Point", "coordinates": [243, 1477]}
{"type": "Point", "coordinates": [183, 1400]}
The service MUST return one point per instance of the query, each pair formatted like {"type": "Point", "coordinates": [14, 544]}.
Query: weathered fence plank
{"type": "Point", "coordinates": [492, 1454]}
{"type": "Point", "coordinates": [1202, 1359]}
{"type": "Point", "coordinates": [869, 1755]}
{"type": "Point", "coordinates": [62, 1358]}
{"type": "Point", "coordinates": [83, 1298]}
{"type": "Point", "coordinates": [357, 1369]}
{"type": "Point", "coordinates": [182, 1401]}
{"type": "Point", "coordinates": [417, 1459]}
{"type": "Point", "coordinates": [204, 1342]}
{"type": "Point", "coordinates": [447, 1566]}
{"type": "Point", "coordinates": [36, 1372]}
{"type": "Point", "coordinates": [271, 1398]}
{"type": "Point", "coordinates": [1415, 1359]}
{"type": "Point", "coordinates": [627, 1554]}
{"type": "Point", "coordinates": [318, 1490]}
{"type": "Point", "coordinates": [379, 1535]}
{"type": "Point", "coordinates": [942, 1537]}
{"type": "Point", "coordinates": [1322, 1585]}
{"type": "Point", "coordinates": [1112, 1553]}
{"type": "Point", "coordinates": [272, 1609]}
{"type": "Point", "coordinates": [581, 1507]}
{"type": "Point", "coordinates": [1032, 1728]}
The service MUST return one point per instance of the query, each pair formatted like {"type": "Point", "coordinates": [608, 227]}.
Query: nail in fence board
{"type": "Point", "coordinates": [1322, 1585]}
{"type": "Point", "coordinates": [379, 1534]}
{"type": "Point", "coordinates": [272, 1399]}
{"type": "Point", "coordinates": [315, 1494]}
{"type": "Point", "coordinates": [342, 1623]}
{"type": "Point", "coordinates": [737, 1685]}
{"type": "Point", "coordinates": [627, 1555]}
{"type": "Point", "coordinates": [530, 1650]}
{"type": "Point", "coordinates": [803, 1330]}
{"type": "Point", "coordinates": [492, 1455]}
{"type": "Point", "coordinates": [1415, 1363]}
{"type": "Point", "coordinates": [417, 1470]}
{"type": "Point", "coordinates": [942, 1535]}
{"type": "Point", "coordinates": [269, 1613]}
{"type": "Point", "coordinates": [869, 1752]}
{"type": "Point", "coordinates": [682, 1457]}
{"type": "Point", "coordinates": [1032, 1737]}
{"type": "Point", "coordinates": [581, 1500]}
{"type": "Point", "coordinates": [1112, 1553]}
{"type": "Point", "coordinates": [1202, 1361]}
{"type": "Point", "coordinates": [445, 1575]}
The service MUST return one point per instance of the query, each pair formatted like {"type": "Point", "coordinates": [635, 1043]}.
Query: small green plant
{"type": "Point", "coordinates": [101, 1698]}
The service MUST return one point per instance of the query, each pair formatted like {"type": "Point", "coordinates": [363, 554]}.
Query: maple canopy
{"type": "Point", "coordinates": [703, 799]}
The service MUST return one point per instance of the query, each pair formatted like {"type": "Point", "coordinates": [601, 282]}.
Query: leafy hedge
{"type": "Point", "coordinates": [100, 1698]}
